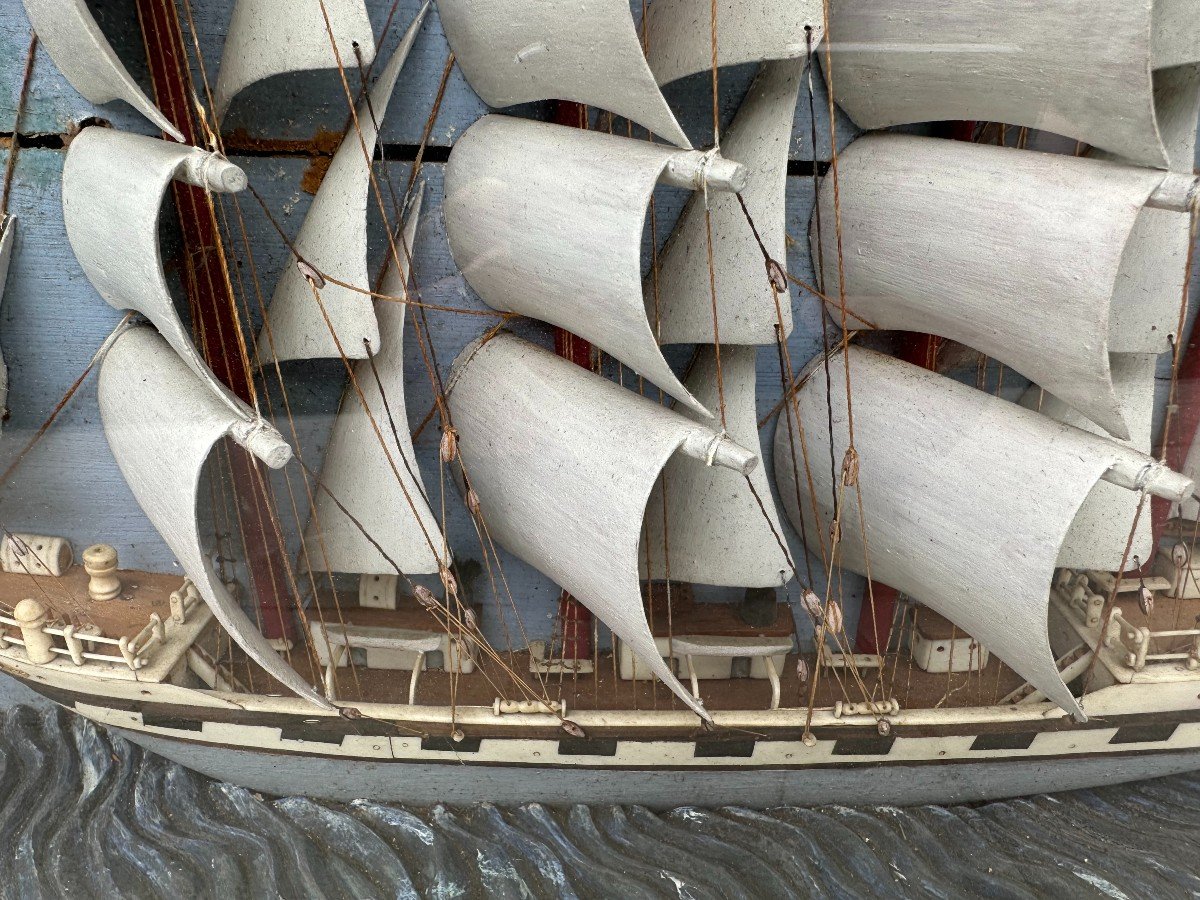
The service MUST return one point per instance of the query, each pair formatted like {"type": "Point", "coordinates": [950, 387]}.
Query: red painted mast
{"type": "Point", "coordinates": [214, 316]}
{"type": "Point", "coordinates": [1182, 431]}
{"type": "Point", "coordinates": [574, 618]}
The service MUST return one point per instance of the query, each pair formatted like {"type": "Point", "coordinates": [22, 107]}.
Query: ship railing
{"type": "Point", "coordinates": [1136, 646]}
{"type": "Point", "coordinates": [80, 642]}
{"type": "Point", "coordinates": [341, 641]}
{"type": "Point", "coordinates": [692, 647]}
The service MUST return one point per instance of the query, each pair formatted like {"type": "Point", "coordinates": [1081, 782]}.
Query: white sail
{"type": "Point", "coordinates": [711, 525]}
{"type": "Point", "coordinates": [270, 37]}
{"type": "Point", "coordinates": [968, 498]}
{"type": "Point", "coordinates": [1101, 528]}
{"type": "Point", "coordinates": [679, 33]}
{"type": "Point", "coordinates": [1086, 75]}
{"type": "Point", "coordinates": [680, 300]}
{"type": "Point", "coordinates": [563, 463]}
{"type": "Point", "coordinates": [112, 193]}
{"type": "Point", "coordinates": [68, 31]}
{"type": "Point", "coordinates": [1041, 261]}
{"type": "Point", "coordinates": [1176, 38]}
{"type": "Point", "coordinates": [378, 485]}
{"type": "Point", "coordinates": [588, 51]}
{"type": "Point", "coordinates": [8, 235]}
{"type": "Point", "coordinates": [162, 422]}
{"type": "Point", "coordinates": [333, 239]}
{"type": "Point", "coordinates": [547, 221]}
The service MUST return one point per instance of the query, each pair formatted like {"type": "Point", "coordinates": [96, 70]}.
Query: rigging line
{"type": "Point", "coordinates": [436, 376]}
{"type": "Point", "coordinates": [1181, 324]}
{"type": "Point", "coordinates": [10, 165]}
{"type": "Point", "coordinates": [419, 160]}
{"type": "Point", "coordinates": [837, 220]}
{"type": "Point", "coordinates": [122, 326]}
{"type": "Point", "coordinates": [363, 74]}
{"type": "Point", "coordinates": [820, 260]}
{"type": "Point", "coordinates": [491, 314]}
{"type": "Point", "coordinates": [308, 562]}
{"type": "Point", "coordinates": [379, 437]}
{"type": "Point", "coordinates": [185, 85]}
{"type": "Point", "coordinates": [387, 410]}
{"type": "Point", "coordinates": [316, 292]}
{"type": "Point", "coordinates": [824, 298]}
{"type": "Point", "coordinates": [214, 139]}
{"type": "Point", "coordinates": [851, 462]}
{"type": "Point", "coordinates": [716, 92]}
{"type": "Point", "coordinates": [795, 468]}
{"type": "Point", "coordinates": [1111, 601]}
{"type": "Point", "coordinates": [179, 104]}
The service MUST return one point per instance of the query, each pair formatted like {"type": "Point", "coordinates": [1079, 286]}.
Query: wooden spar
{"type": "Point", "coordinates": [214, 317]}
{"type": "Point", "coordinates": [574, 619]}
{"type": "Point", "coordinates": [879, 605]}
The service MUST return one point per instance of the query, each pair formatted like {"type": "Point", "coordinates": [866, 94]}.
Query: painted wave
{"type": "Point", "coordinates": [84, 814]}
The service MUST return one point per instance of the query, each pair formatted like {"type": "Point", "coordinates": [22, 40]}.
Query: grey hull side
{"type": "Point", "coordinates": [424, 784]}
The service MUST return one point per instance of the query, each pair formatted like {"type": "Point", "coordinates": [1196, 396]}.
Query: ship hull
{"type": "Point", "coordinates": [412, 754]}
{"type": "Point", "coordinates": [656, 787]}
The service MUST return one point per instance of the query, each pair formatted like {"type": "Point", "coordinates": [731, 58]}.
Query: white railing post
{"type": "Point", "coordinates": [74, 645]}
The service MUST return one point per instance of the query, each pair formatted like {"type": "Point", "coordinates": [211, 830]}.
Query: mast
{"type": "Point", "coordinates": [575, 619]}
{"type": "Point", "coordinates": [214, 317]}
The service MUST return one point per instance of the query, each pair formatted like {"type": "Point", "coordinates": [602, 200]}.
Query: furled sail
{"type": "Point", "coordinates": [711, 528]}
{"type": "Point", "coordinates": [1032, 64]}
{"type": "Point", "coordinates": [113, 189]}
{"type": "Point", "coordinates": [1044, 262]}
{"type": "Point", "coordinates": [267, 37]}
{"type": "Point", "coordinates": [8, 235]}
{"type": "Point", "coordinates": [680, 298]}
{"type": "Point", "coordinates": [679, 34]}
{"type": "Point", "coordinates": [143, 388]}
{"type": "Point", "coordinates": [68, 31]}
{"type": "Point", "coordinates": [333, 239]}
{"type": "Point", "coordinates": [547, 221]}
{"type": "Point", "coordinates": [1101, 528]}
{"type": "Point", "coordinates": [968, 498]}
{"type": "Point", "coordinates": [563, 463]}
{"type": "Point", "coordinates": [379, 486]}
{"type": "Point", "coordinates": [519, 51]}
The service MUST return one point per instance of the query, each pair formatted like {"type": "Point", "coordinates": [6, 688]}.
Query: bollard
{"type": "Point", "coordinates": [100, 562]}
{"type": "Point", "coordinates": [31, 616]}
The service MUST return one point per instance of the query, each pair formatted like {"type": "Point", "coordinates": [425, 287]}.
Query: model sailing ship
{"type": "Point", "coordinates": [360, 664]}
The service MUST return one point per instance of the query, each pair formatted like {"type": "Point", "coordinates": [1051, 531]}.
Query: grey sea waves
{"type": "Point", "coordinates": [86, 814]}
